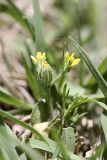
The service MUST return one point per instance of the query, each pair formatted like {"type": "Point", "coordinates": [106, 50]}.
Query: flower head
{"type": "Point", "coordinates": [75, 62]}
{"type": "Point", "coordinates": [71, 61]}
{"type": "Point", "coordinates": [69, 58]}
{"type": "Point", "coordinates": [45, 74]}
{"type": "Point", "coordinates": [43, 68]}
{"type": "Point", "coordinates": [39, 57]}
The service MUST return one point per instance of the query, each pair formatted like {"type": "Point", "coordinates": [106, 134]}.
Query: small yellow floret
{"type": "Point", "coordinates": [68, 57]}
{"type": "Point", "coordinates": [40, 56]}
{"type": "Point", "coordinates": [70, 60]}
{"type": "Point", "coordinates": [75, 62]}
{"type": "Point", "coordinates": [46, 65]}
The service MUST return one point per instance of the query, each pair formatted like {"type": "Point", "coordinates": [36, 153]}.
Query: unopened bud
{"type": "Point", "coordinates": [45, 75]}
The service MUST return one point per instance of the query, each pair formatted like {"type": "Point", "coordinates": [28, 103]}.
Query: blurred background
{"type": "Point", "coordinates": [60, 19]}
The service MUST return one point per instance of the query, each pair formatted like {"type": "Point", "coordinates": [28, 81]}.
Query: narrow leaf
{"type": "Point", "coordinates": [104, 125]}
{"type": "Point", "coordinates": [38, 26]}
{"type": "Point", "coordinates": [103, 70]}
{"type": "Point", "coordinates": [7, 99]}
{"type": "Point", "coordinates": [100, 80]}
{"type": "Point", "coordinates": [33, 83]}
{"type": "Point", "coordinates": [23, 124]}
{"type": "Point", "coordinates": [41, 145]}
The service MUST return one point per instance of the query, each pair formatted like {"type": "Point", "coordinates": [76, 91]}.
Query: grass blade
{"type": "Point", "coordinates": [104, 125]}
{"type": "Point", "coordinates": [100, 80]}
{"type": "Point", "coordinates": [6, 143]}
{"type": "Point", "coordinates": [7, 99]}
{"type": "Point", "coordinates": [9, 144]}
{"type": "Point", "coordinates": [103, 70]}
{"type": "Point", "coordinates": [38, 26]}
{"type": "Point", "coordinates": [23, 124]}
{"type": "Point", "coordinates": [33, 83]}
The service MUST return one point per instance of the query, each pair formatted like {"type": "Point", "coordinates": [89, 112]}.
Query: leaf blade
{"type": "Point", "coordinates": [7, 99]}
{"type": "Point", "coordinates": [100, 80]}
{"type": "Point", "coordinates": [38, 26]}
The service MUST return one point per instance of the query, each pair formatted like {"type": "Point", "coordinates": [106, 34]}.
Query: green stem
{"type": "Point", "coordinates": [58, 77]}
{"type": "Point", "coordinates": [49, 102]}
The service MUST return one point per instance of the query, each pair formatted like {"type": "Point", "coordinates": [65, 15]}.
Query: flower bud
{"type": "Point", "coordinates": [43, 68]}
{"type": "Point", "coordinates": [45, 74]}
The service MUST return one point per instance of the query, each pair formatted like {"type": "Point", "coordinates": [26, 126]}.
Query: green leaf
{"type": "Point", "coordinates": [39, 113]}
{"type": "Point", "coordinates": [6, 143]}
{"type": "Point", "coordinates": [23, 157]}
{"type": "Point", "coordinates": [9, 142]}
{"type": "Point", "coordinates": [55, 153]}
{"type": "Point", "coordinates": [23, 124]}
{"type": "Point", "coordinates": [35, 115]}
{"type": "Point", "coordinates": [68, 138]}
{"type": "Point", "coordinates": [41, 145]}
{"type": "Point", "coordinates": [78, 101]}
{"type": "Point", "coordinates": [100, 80]}
{"type": "Point", "coordinates": [104, 125]}
{"type": "Point", "coordinates": [103, 70]}
{"type": "Point", "coordinates": [38, 26]}
{"type": "Point", "coordinates": [3, 155]}
{"type": "Point", "coordinates": [32, 154]}
{"type": "Point", "coordinates": [7, 99]}
{"type": "Point", "coordinates": [33, 83]}
{"type": "Point", "coordinates": [103, 105]}
{"type": "Point", "coordinates": [12, 10]}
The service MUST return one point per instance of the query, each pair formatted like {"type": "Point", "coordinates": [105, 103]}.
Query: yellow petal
{"type": "Point", "coordinates": [71, 58]}
{"type": "Point", "coordinates": [43, 55]}
{"type": "Point", "coordinates": [34, 59]}
{"type": "Point", "coordinates": [67, 56]}
{"type": "Point", "coordinates": [75, 62]}
{"type": "Point", "coordinates": [38, 56]}
{"type": "Point", "coordinates": [72, 55]}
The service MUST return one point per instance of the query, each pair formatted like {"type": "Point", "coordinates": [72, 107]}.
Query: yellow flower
{"type": "Point", "coordinates": [43, 68]}
{"type": "Point", "coordinates": [68, 57]}
{"type": "Point", "coordinates": [39, 57]}
{"type": "Point", "coordinates": [75, 62]}
{"type": "Point", "coordinates": [70, 60]}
